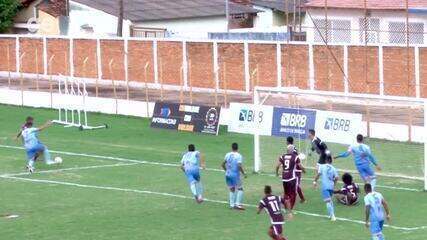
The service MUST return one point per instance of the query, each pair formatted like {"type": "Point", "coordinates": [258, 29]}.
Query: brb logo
{"type": "Point", "coordinates": [293, 120]}
{"type": "Point", "coordinates": [337, 124]}
{"type": "Point", "coordinates": [247, 115]}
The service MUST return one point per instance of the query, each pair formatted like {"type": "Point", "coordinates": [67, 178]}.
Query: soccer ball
{"type": "Point", "coordinates": [302, 156]}
{"type": "Point", "coordinates": [58, 159]}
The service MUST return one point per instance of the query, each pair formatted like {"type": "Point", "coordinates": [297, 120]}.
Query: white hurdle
{"type": "Point", "coordinates": [72, 108]}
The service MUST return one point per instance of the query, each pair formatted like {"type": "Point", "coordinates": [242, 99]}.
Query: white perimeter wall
{"type": "Point", "coordinates": [395, 132]}
{"type": "Point", "coordinates": [354, 15]}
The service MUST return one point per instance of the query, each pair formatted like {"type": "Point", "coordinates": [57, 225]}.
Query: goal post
{"type": "Point", "coordinates": [394, 127]}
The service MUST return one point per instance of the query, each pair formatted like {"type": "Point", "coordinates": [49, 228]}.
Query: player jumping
{"type": "Point", "coordinates": [319, 146]}
{"type": "Point", "coordinates": [190, 165]}
{"type": "Point", "coordinates": [33, 146]}
{"type": "Point", "coordinates": [329, 178]}
{"type": "Point", "coordinates": [299, 171]}
{"type": "Point", "coordinates": [289, 163]}
{"type": "Point", "coordinates": [273, 206]}
{"type": "Point", "coordinates": [375, 206]}
{"type": "Point", "coordinates": [362, 159]}
{"type": "Point", "coordinates": [232, 166]}
{"type": "Point", "coordinates": [349, 193]}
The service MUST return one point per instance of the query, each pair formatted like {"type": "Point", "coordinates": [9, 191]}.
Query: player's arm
{"type": "Point", "coordinates": [260, 208]}
{"type": "Point", "coordinates": [242, 170]}
{"type": "Point", "coordinates": [344, 154]}
{"type": "Point", "coordinates": [373, 159]}
{"type": "Point", "coordinates": [367, 213]}
{"type": "Point", "coordinates": [278, 167]}
{"type": "Point", "coordinates": [223, 166]}
{"type": "Point", "coordinates": [387, 209]}
{"type": "Point", "coordinates": [44, 126]}
{"type": "Point", "coordinates": [18, 135]}
{"type": "Point", "coordinates": [300, 166]}
{"type": "Point", "coordinates": [316, 179]}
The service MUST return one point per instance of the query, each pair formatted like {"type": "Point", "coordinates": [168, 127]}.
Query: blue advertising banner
{"type": "Point", "coordinates": [292, 122]}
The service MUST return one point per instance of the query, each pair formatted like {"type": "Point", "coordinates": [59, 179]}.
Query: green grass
{"type": "Point", "coordinates": [57, 211]}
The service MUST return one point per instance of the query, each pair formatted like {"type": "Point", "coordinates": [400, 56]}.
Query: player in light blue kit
{"type": "Point", "coordinates": [190, 164]}
{"type": "Point", "coordinates": [363, 158]}
{"type": "Point", "coordinates": [232, 166]}
{"type": "Point", "coordinates": [375, 205]}
{"type": "Point", "coordinates": [329, 177]}
{"type": "Point", "coordinates": [33, 146]}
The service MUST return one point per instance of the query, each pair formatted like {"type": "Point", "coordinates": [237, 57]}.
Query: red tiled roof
{"type": "Point", "coordinates": [26, 3]}
{"type": "Point", "coordinates": [54, 8]}
{"type": "Point", "coordinates": [371, 4]}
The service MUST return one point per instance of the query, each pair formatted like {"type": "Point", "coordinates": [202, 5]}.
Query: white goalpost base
{"type": "Point", "coordinates": [74, 115]}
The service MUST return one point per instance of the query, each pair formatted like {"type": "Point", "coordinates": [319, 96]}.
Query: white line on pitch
{"type": "Point", "coordinates": [379, 174]}
{"type": "Point", "coordinates": [168, 164]}
{"type": "Point", "coordinates": [187, 197]}
{"type": "Point", "coordinates": [68, 169]}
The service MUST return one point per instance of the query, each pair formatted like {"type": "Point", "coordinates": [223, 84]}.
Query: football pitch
{"type": "Point", "coordinates": [125, 183]}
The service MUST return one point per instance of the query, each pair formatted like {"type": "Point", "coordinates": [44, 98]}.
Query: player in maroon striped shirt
{"type": "Point", "coordinates": [273, 206]}
{"type": "Point", "coordinates": [289, 163]}
{"type": "Point", "coordinates": [299, 171]}
{"type": "Point", "coordinates": [349, 193]}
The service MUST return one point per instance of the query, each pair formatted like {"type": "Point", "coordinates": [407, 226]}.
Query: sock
{"type": "Point", "coordinates": [199, 189]}
{"type": "Point", "coordinates": [193, 189]}
{"type": "Point", "coordinates": [330, 207]}
{"type": "Point", "coordinates": [31, 163]}
{"type": "Point", "coordinates": [373, 183]}
{"type": "Point", "coordinates": [46, 155]}
{"type": "Point", "coordinates": [232, 199]}
{"type": "Point", "coordinates": [239, 197]}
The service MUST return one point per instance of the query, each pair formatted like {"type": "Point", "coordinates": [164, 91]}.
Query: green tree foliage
{"type": "Point", "coordinates": [8, 10]}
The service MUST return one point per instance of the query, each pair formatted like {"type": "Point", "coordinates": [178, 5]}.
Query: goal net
{"type": "Point", "coordinates": [394, 128]}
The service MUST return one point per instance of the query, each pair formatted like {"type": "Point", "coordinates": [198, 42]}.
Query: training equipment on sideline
{"type": "Point", "coordinates": [337, 119]}
{"type": "Point", "coordinates": [72, 104]}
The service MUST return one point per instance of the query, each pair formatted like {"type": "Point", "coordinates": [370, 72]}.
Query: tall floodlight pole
{"type": "Point", "coordinates": [227, 14]}
{"type": "Point", "coordinates": [120, 19]}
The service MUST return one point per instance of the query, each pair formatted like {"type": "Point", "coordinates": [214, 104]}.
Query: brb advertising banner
{"type": "Point", "coordinates": [338, 127]}
{"type": "Point", "coordinates": [248, 118]}
{"type": "Point", "coordinates": [192, 118]}
{"type": "Point", "coordinates": [292, 122]}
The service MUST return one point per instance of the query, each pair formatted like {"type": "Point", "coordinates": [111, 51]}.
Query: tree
{"type": "Point", "coordinates": [8, 10]}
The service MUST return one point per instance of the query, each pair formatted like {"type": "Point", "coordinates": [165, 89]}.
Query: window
{"type": "Point", "coordinates": [334, 31]}
{"type": "Point", "coordinates": [398, 34]}
{"type": "Point", "coordinates": [370, 27]}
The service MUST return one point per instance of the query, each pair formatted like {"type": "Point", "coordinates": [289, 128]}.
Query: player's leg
{"type": "Point", "coordinates": [31, 155]}
{"type": "Point", "coordinates": [327, 197]}
{"type": "Point", "coordinates": [230, 181]}
{"type": "Point", "coordinates": [341, 198]}
{"type": "Point", "coordinates": [199, 187]}
{"type": "Point", "coordinates": [376, 228]}
{"type": "Point", "coordinates": [46, 154]}
{"type": "Point", "coordinates": [299, 190]}
{"type": "Point", "coordinates": [192, 182]}
{"type": "Point", "coordinates": [367, 174]}
{"type": "Point", "coordinates": [239, 194]}
{"type": "Point", "coordinates": [276, 232]}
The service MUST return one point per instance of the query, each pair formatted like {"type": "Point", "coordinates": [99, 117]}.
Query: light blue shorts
{"type": "Point", "coordinates": [327, 194]}
{"type": "Point", "coordinates": [376, 227]}
{"type": "Point", "coordinates": [193, 175]}
{"type": "Point", "coordinates": [32, 152]}
{"type": "Point", "coordinates": [233, 181]}
{"type": "Point", "coordinates": [365, 171]}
